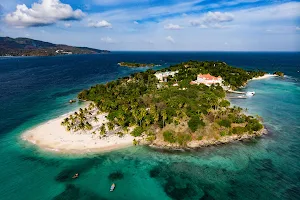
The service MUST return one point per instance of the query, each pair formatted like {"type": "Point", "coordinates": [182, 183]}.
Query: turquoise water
{"type": "Point", "coordinates": [34, 90]}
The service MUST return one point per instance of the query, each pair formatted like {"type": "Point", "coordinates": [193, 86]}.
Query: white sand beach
{"type": "Point", "coordinates": [264, 76]}
{"type": "Point", "coordinates": [52, 136]}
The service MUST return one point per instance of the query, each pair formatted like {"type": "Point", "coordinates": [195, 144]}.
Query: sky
{"type": "Point", "coordinates": [157, 25]}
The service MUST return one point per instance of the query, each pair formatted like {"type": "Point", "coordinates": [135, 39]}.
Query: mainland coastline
{"type": "Point", "coordinates": [52, 136]}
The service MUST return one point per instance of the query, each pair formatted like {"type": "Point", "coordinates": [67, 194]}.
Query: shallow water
{"type": "Point", "coordinates": [34, 90]}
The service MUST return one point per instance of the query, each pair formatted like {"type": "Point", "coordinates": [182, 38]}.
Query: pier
{"type": "Point", "coordinates": [243, 97]}
{"type": "Point", "coordinates": [236, 92]}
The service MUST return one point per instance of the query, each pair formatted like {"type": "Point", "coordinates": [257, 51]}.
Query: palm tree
{"type": "Point", "coordinates": [110, 126]}
{"type": "Point", "coordinates": [152, 110]}
{"type": "Point", "coordinates": [91, 106]}
{"type": "Point", "coordinates": [147, 121]}
{"type": "Point", "coordinates": [239, 109]}
{"type": "Point", "coordinates": [125, 108]}
{"type": "Point", "coordinates": [180, 105]}
{"type": "Point", "coordinates": [65, 122]}
{"type": "Point", "coordinates": [88, 126]}
{"type": "Point", "coordinates": [81, 117]}
{"type": "Point", "coordinates": [125, 129]}
{"type": "Point", "coordinates": [156, 117]}
{"type": "Point", "coordinates": [72, 118]}
{"type": "Point", "coordinates": [81, 126]}
{"type": "Point", "coordinates": [178, 112]}
{"type": "Point", "coordinates": [121, 118]}
{"type": "Point", "coordinates": [142, 114]}
{"type": "Point", "coordinates": [135, 115]}
{"type": "Point", "coordinates": [102, 129]}
{"type": "Point", "coordinates": [164, 116]}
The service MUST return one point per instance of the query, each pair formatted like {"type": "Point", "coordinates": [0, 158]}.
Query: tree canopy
{"type": "Point", "coordinates": [141, 100]}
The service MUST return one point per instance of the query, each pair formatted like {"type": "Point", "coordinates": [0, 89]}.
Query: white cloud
{"type": "Point", "coordinates": [44, 13]}
{"type": "Point", "coordinates": [136, 22]}
{"type": "Point", "coordinates": [217, 17]}
{"type": "Point", "coordinates": [172, 27]}
{"type": "Point", "coordinates": [213, 20]}
{"type": "Point", "coordinates": [283, 11]}
{"type": "Point", "coordinates": [134, 13]}
{"type": "Point", "coordinates": [108, 40]}
{"type": "Point", "coordinates": [68, 25]}
{"type": "Point", "coordinates": [298, 28]}
{"type": "Point", "coordinates": [100, 24]}
{"type": "Point", "coordinates": [170, 39]}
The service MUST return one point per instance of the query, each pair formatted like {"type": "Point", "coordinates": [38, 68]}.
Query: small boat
{"type": "Point", "coordinates": [75, 176]}
{"type": "Point", "coordinates": [72, 101]}
{"type": "Point", "coordinates": [112, 187]}
{"type": "Point", "coordinates": [250, 93]}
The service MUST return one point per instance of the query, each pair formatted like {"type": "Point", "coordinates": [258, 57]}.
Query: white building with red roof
{"type": "Point", "coordinates": [207, 79]}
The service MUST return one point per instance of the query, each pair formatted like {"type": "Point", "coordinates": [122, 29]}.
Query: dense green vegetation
{"type": "Point", "coordinates": [180, 138]}
{"type": "Point", "coordinates": [135, 65]}
{"type": "Point", "coordinates": [235, 77]}
{"type": "Point", "coordinates": [176, 114]}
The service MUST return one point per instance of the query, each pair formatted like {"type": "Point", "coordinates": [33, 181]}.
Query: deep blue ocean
{"type": "Point", "coordinates": [36, 89]}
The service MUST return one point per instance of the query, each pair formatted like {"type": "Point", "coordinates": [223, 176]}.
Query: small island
{"type": "Point", "coordinates": [278, 73]}
{"type": "Point", "coordinates": [136, 65]}
{"type": "Point", "coordinates": [183, 106]}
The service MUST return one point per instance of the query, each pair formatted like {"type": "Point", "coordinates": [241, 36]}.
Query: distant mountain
{"type": "Point", "coordinates": [29, 47]}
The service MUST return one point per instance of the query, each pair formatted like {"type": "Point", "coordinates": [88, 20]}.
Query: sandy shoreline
{"type": "Point", "coordinates": [264, 76]}
{"type": "Point", "coordinates": [52, 136]}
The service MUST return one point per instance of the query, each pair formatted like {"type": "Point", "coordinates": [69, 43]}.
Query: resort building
{"type": "Point", "coordinates": [207, 79]}
{"type": "Point", "coordinates": [163, 76]}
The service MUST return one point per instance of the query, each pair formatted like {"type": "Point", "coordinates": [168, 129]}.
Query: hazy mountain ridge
{"type": "Point", "coordinates": [29, 47]}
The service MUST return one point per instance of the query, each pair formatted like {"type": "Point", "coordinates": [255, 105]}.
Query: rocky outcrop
{"type": "Point", "coordinates": [209, 142]}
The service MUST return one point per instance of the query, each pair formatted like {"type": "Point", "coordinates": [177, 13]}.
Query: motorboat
{"type": "Point", "coordinates": [75, 176]}
{"type": "Point", "coordinates": [250, 93]}
{"type": "Point", "coordinates": [112, 187]}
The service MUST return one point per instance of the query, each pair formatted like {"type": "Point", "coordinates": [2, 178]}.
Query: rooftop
{"type": "Point", "coordinates": [208, 77]}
